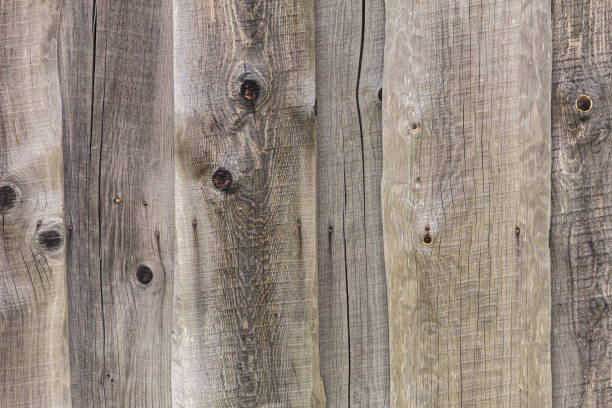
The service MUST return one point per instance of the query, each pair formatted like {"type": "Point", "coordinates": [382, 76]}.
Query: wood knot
{"type": "Point", "coordinates": [584, 103]}
{"type": "Point", "coordinates": [8, 197]}
{"type": "Point", "coordinates": [50, 239]}
{"type": "Point", "coordinates": [250, 90]}
{"type": "Point", "coordinates": [222, 179]}
{"type": "Point", "coordinates": [427, 239]}
{"type": "Point", "coordinates": [144, 274]}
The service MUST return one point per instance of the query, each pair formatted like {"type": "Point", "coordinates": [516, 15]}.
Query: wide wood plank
{"type": "Point", "coordinates": [246, 321]}
{"type": "Point", "coordinates": [581, 225]}
{"type": "Point", "coordinates": [352, 287]}
{"type": "Point", "coordinates": [466, 202]}
{"type": "Point", "coordinates": [34, 365]}
{"type": "Point", "coordinates": [116, 76]}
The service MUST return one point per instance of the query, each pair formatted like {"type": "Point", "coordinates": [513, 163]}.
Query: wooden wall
{"type": "Point", "coordinates": [243, 203]}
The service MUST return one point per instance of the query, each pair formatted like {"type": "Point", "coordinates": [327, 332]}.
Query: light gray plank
{"type": "Point", "coordinates": [246, 321]}
{"type": "Point", "coordinates": [116, 76]}
{"type": "Point", "coordinates": [34, 364]}
{"type": "Point", "coordinates": [352, 286]}
{"type": "Point", "coordinates": [466, 142]}
{"type": "Point", "coordinates": [581, 225]}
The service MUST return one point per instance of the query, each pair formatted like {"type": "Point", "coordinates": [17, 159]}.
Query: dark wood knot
{"type": "Point", "coordinates": [144, 274]}
{"type": "Point", "coordinates": [250, 90]}
{"type": "Point", "coordinates": [584, 103]}
{"type": "Point", "coordinates": [8, 197]}
{"type": "Point", "coordinates": [222, 179]}
{"type": "Point", "coordinates": [50, 239]}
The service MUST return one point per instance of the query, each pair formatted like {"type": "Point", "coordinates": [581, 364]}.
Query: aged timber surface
{"type": "Point", "coordinates": [581, 224]}
{"type": "Point", "coordinates": [352, 287]}
{"type": "Point", "coordinates": [245, 332]}
{"type": "Point", "coordinates": [116, 81]}
{"type": "Point", "coordinates": [466, 202]}
{"type": "Point", "coordinates": [34, 365]}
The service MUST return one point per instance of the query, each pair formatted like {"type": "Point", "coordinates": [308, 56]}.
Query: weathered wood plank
{"type": "Point", "coordinates": [581, 225]}
{"type": "Point", "coordinates": [116, 76]}
{"type": "Point", "coordinates": [34, 365]}
{"type": "Point", "coordinates": [246, 321]}
{"type": "Point", "coordinates": [352, 287]}
{"type": "Point", "coordinates": [466, 142]}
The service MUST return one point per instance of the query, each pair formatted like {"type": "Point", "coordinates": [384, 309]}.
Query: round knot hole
{"type": "Point", "coordinates": [50, 239]}
{"type": "Point", "coordinates": [584, 103]}
{"type": "Point", "coordinates": [427, 240]}
{"type": "Point", "coordinates": [144, 274]}
{"type": "Point", "coordinates": [8, 197]}
{"type": "Point", "coordinates": [250, 89]}
{"type": "Point", "coordinates": [222, 179]}
{"type": "Point", "coordinates": [414, 127]}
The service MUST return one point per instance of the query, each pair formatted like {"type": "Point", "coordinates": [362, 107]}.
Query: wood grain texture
{"type": "Point", "coordinates": [34, 364]}
{"type": "Point", "coordinates": [581, 224]}
{"type": "Point", "coordinates": [246, 325]}
{"type": "Point", "coordinates": [352, 286]}
{"type": "Point", "coordinates": [466, 142]}
{"type": "Point", "coordinates": [116, 76]}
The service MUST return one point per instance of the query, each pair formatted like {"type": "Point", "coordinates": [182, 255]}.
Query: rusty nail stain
{"type": "Point", "coordinates": [299, 224]}
{"type": "Point", "coordinates": [194, 222]}
{"type": "Point", "coordinates": [584, 103]}
{"type": "Point", "coordinates": [427, 227]}
{"type": "Point", "coordinates": [156, 234]}
{"type": "Point", "coordinates": [517, 230]}
{"type": "Point", "coordinates": [330, 229]}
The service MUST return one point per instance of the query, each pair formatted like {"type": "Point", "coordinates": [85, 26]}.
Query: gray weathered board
{"type": "Point", "coordinates": [466, 145]}
{"type": "Point", "coordinates": [115, 61]}
{"type": "Point", "coordinates": [34, 361]}
{"type": "Point", "coordinates": [245, 327]}
{"type": "Point", "coordinates": [352, 289]}
{"type": "Point", "coordinates": [581, 225]}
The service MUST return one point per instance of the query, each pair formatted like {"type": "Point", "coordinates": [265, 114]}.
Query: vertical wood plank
{"type": "Point", "coordinates": [34, 365]}
{"type": "Point", "coordinates": [466, 142]}
{"type": "Point", "coordinates": [581, 225]}
{"type": "Point", "coordinates": [116, 81]}
{"type": "Point", "coordinates": [352, 286]}
{"type": "Point", "coordinates": [246, 321]}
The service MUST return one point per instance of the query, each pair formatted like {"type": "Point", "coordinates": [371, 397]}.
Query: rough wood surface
{"type": "Point", "coordinates": [581, 224]}
{"type": "Point", "coordinates": [466, 142]}
{"type": "Point", "coordinates": [116, 76]}
{"type": "Point", "coordinates": [246, 320]}
{"type": "Point", "coordinates": [352, 286]}
{"type": "Point", "coordinates": [34, 365]}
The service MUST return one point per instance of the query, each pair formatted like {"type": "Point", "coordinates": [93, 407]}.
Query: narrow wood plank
{"type": "Point", "coordinates": [116, 76]}
{"type": "Point", "coordinates": [352, 286]}
{"type": "Point", "coordinates": [246, 330]}
{"type": "Point", "coordinates": [581, 226]}
{"type": "Point", "coordinates": [34, 364]}
{"type": "Point", "coordinates": [466, 142]}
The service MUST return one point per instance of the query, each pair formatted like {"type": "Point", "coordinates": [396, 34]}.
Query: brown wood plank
{"type": "Point", "coordinates": [352, 287]}
{"type": "Point", "coordinates": [581, 225]}
{"type": "Point", "coordinates": [116, 76]}
{"type": "Point", "coordinates": [34, 365]}
{"type": "Point", "coordinates": [246, 321]}
{"type": "Point", "coordinates": [466, 142]}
